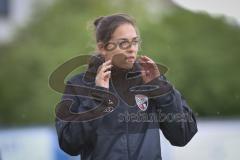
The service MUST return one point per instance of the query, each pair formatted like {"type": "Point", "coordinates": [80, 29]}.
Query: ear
{"type": "Point", "coordinates": [100, 47]}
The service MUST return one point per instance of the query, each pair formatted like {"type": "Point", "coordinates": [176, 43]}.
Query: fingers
{"type": "Point", "coordinates": [107, 62]}
{"type": "Point", "coordinates": [148, 65]}
{"type": "Point", "coordinates": [107, 74]}
{"type": "Point", "coordinates": [146, 59]}
{"type": "Point", "coordinates": [104, 71]}
{"type": "Point", "coordinates": [105, 66]}
{"type": "Point", "coordinates": [144, 62]}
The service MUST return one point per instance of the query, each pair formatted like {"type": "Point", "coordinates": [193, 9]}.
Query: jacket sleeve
{"type": "Point", "coordinates": [75, 137]}
{"type": "Point", "coordinates": [176, 119]}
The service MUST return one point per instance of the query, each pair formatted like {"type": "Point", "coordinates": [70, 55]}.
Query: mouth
{"type": "Point", "coordinates": [124, 56]}
{"type": "Point", "coordinates": [130, 58]}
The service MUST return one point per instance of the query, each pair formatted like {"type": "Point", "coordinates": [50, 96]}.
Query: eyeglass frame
{"type": "Point", "coordinates": [119, 41]}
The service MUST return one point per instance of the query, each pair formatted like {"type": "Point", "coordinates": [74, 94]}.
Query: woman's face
{"type": "Point", "coordinates": [123, 46]}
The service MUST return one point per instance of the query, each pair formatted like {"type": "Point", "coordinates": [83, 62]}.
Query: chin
{"type": "Point", "coordinates": [126, 65]}
{"type": "Point", "coordinates": [129, 66]}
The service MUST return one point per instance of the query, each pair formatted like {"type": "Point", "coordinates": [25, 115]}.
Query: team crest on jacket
{"type": "Point", "coordinates": [142, 101]}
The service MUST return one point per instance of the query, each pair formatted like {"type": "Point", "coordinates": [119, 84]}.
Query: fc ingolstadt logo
{"type": "Point", "coordinates": [142, 101]}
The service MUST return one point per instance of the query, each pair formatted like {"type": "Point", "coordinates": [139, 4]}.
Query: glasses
{"type": "Point", "coordinates": [122, 44]}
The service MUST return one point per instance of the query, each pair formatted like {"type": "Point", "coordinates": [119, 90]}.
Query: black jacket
{"type": "Point", "coordinates": [121, 131]}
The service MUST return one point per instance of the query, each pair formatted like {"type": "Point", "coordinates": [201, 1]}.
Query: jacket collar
{"type": "Point", "coordinates": [97, 60]}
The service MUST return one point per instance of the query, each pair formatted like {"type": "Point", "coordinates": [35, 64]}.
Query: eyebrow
{"type": "Point", "coordinates": [127, 39]}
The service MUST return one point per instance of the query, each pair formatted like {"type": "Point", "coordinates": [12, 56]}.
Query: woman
{"type": "Point", "coordinates": [132, 91]}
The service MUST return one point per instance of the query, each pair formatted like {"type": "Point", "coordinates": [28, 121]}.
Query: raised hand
{"type": "Point", "coordinates": [149, 69]}
{"type": "Point", "coordinates": [104, 74]}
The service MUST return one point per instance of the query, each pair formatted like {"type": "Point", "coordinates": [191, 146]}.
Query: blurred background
{"type": "Point", "coordinates": [198, 41]}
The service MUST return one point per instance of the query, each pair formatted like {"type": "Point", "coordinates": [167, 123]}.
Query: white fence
{"type": "Point", "coordinates": [215, 140]}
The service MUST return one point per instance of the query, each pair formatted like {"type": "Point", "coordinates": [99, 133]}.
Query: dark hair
{"type": "Point", "coordinates": [106, 25]}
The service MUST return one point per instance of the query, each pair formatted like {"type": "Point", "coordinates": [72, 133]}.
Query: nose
{"type": "Point", "coordinates": [132, 49]}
